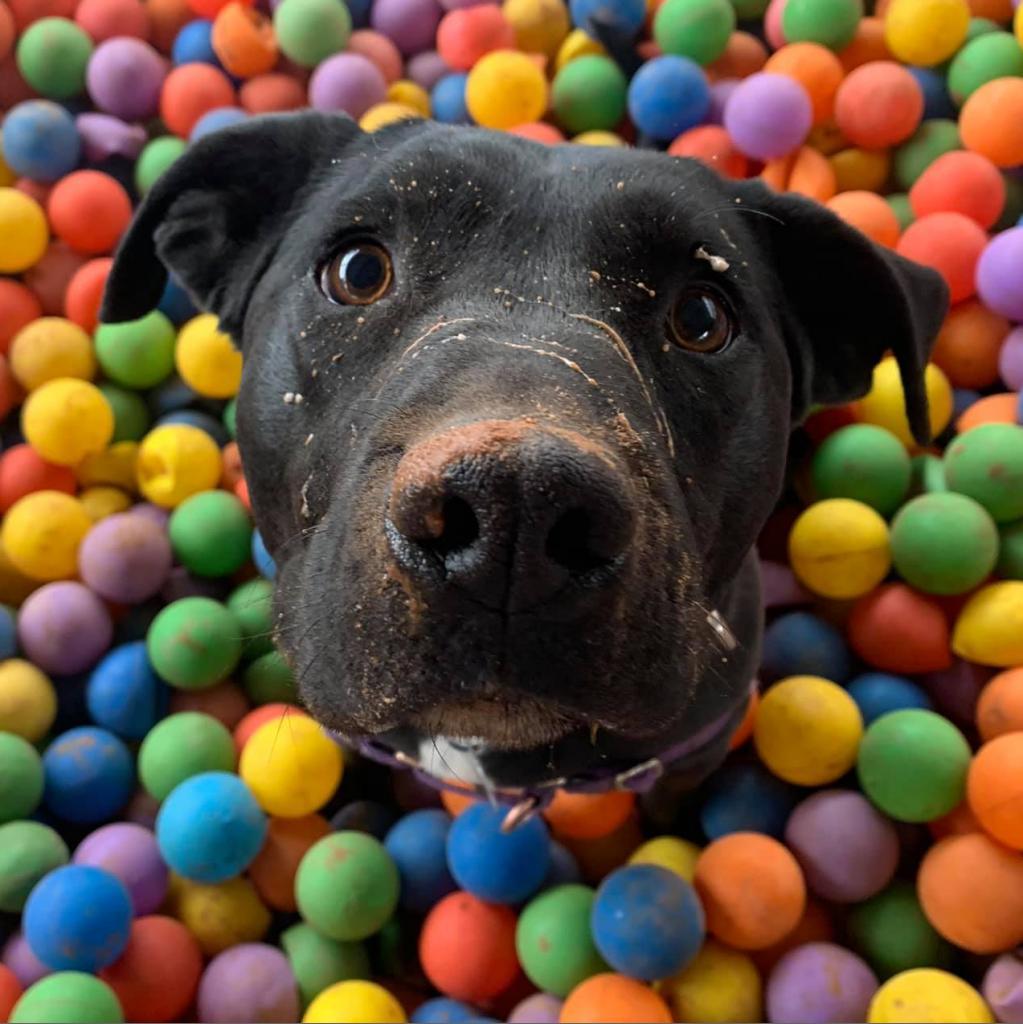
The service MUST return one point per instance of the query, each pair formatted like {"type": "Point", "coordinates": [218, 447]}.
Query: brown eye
{"type": "Point", "coordinates": [358, 275]}
{"type": "Point", "coordinates": [700, 322]}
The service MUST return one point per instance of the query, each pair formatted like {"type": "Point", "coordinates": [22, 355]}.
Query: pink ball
{"type": "Point", "coordinates": [773, 23]}
{"type": "Point", "coordinates": [347, 82]}
{"type": "Point", "coordinates": [410, 24]}
{"type": "Point", "coordinates": [1003, 988]}
{"type": "Point", "coordinates": [129, 852]}
{"type": "Point", "coordinates": [64, 628]}
{"type": "Point", "coordinates": [427, 69]}
{"type": "Point", "coordinates": [125, 558]}
{"type": "Point", "coordinates": [377, 48]}
{"type": "Point", "coordinates": [27, 967]}
{"type": "Point", "coordinates": [768, 116]}
{"type": "Point", "coordinates": [1010, 360]}
{"type": "Point", "coordinates": [252, 981]}
{"type": "Point", "coordinates": [540, 1008]}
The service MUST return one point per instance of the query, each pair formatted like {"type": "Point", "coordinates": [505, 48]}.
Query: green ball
{"type": "Point", "coordinates": [944, 544]}
{"type": "Point", "coordinates": [28, 850]}
{"type": "Point", "coordinates": [589, 94]}
{"type": "Point", "coordinates": [832, 23]}
{"type": "Point", "coordinates": [899, 202]}
{"type": "Point", "coordinates": [928, 475]}
{"type": "Point", "coordinates": [318, 962]}
{"type": "Point", "coordinates": [155, 158]}
{"type": "Point", "coordinates": [52, 56]}
{"type": "Point", "coordinates": [554, 940]}
{"type": "Point", "coordinates": [697, 29]}
{"type": "Point", "coordinates": [252, 605]}
{"type": "Point", "coordinates": [932, 139]}
{"type": "Point", "coordinates": [987, 464]}
{"type": "Point", "coordinates": [211, 534]}
{"type": "Point", "coordinates": [68, 997]}
{"type": "Point", "coordinates": [1010, 551]}
{"type": "Point", "coordinates": [269, 680]}
{"type": "Point", "coordinates": [230, 417]}
{"type": "Point", "coordinates": [139, 353]}
{"type": "Point", "coordinates": [181, 746]}
{"type": "Point", "coordinates": [864, 463]}
{"type": "Point", "coordinates": [131, 414]}
{"type": "Point", "coordinates": [310, 31]}
{"type": "Point", "coordinates": [996, 55]}
{"type": "Point", "coordinates": [347, 886]}
{"type": "Point", "coordinates": [912, 765]}
{"type": "Point", "coordinates": [978, 27]}
{"type": "Point", "coordinates": [194, 643]}
{"type": "Point", "coordinates": [21, 777]}
{"type": "Point", "coordinates": [892, 933]}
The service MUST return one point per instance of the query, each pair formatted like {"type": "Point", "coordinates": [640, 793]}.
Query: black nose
{"type": "Point", "coordinates": [512, 513]}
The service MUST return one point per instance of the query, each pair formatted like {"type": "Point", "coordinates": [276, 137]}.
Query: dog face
{"type": "Point", "coordinates": [512, 416]}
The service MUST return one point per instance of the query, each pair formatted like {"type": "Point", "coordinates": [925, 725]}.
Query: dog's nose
{"type": "Point", "coordinates": [511, 512]}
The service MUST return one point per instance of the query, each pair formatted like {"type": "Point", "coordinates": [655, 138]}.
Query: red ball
{"type": "Point", "coordinates": [18, 307]}
{"type": "Point", "coordinates": [469, 33]}
{"type": "Point", "coordinates": [10, 991]}
{"type": "Point", "coordinates": [7, 30]}
{"type": "Point", "coordinates": [960, 182]}
{"type": "Point", "coordinates": [951, 244]}
{"type": "Point", "coordinates": [880, 104]}
{"type": "Point", "coordinates": [712, 144]}
{"type": "Point", "coordinates": [896, 629]}
{"type": "Point", "coordinates": [538, 131]}
{"type": "Point", "coordinates": [90, 211]}
{"type": "Point", "coordinates": [105, 19]}
{"type": "Point", "coordinates": [260, 716]}
{"type": "Point", "coordinates": [190, 91]}
{"type": "Point", "coordinates": [50, 277]}
{"type": "Point", "coordinates": [211, 8]}
{"type": "Point", "coordinates": [23, 472]}
{"type": "Point", "coordinates": [272, 93]}
{"type": "Point", "coordinates": [85, 293]}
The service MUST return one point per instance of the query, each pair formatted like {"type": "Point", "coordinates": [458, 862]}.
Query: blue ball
{"type": "Point", "coordinates": [447, 100]}
{"type": "Point", "coordinates": [264, 563]}
{"type": "Point", "coordinates": [170, 396]}
{"type": "Point", "coordinates": [369, 816]}
{"type": "Point", "coordinates": [962, 399]}
{"type": "Point", "coordinates": [90, 775]}
{"type": "Point", "coordinates": [418, 846]}
{"type": "Point", "coordinates": [124, 694]}
{"type": "Point", "coordinates": [444, 1011]}
{"type": "Point", "coordinates": [196, 418]}
{"type": "Point", "coordinates": [623, 16]}
{"type": "Point", "coordinates": [564, 869]}
{"type": "Point", "coordinates": [800, 644]}
{"type": "Point", "coordinates": [667, 96]}
{"type": "Point", "coordinates": [937, 99]}
{"type": "Point", "coordinates": [647, 921]}
{"type": "Point", "coordinates": [210, 828]}
{"type": "Point", "coordinates": [8, 632]}
{"type": "Point", "coordinates": [175, 303]}
{"type": "Point", "coordinates": [194, 44]}
{"type": "Point", "coordinates": [744, 797]}
{"type": "Point", "coordinates": [77, 918]}
{"type": "Point", "coordinates": [40, 141]}
{"type": "Point", "coordinates": [877, 693]}
{"type": "Point", "coordinates": [359, 10]}
{"type": "Point", "coordinates": [496, 866]}
{"type": "Point", "coordinates": [213, 120]}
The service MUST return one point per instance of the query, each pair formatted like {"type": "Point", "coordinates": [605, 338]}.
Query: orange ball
{"type": "Point", "coordinates": [260, 716]}
{"type": "Point", "coordinates": [466, 34]}
{"type": "Point", "coordinates": [244, 41]}
{"type": "Point", "coordinates": [969, 342]}
{"type": "Point", "coordinates": [84, 292]}
{"type": "Point", "coordinates": [166, 19]}
{"type": "Point", "coordinates": [588, 815]}
{"type": "Point", "coordinates": [23, 472]}
{"type": "Point", "coordinates": [869, 213]}
{"type": "Point", "coordinates": [711, 144]}
{"type": "Point", "coordinates": [991, 121]}
{"type": "Point", "coordinates": [272, 94]}
{"type": "Point", "coordinates": [879, 104]}
{"type": "Point", "coordinates": [951, 244]}
{"type": "Point", "coordinates": [805, 172]}
{"type": "Point", "coordinates": [1000, 707]}
{"type": "Point", "coordinates": [376, 47]}
{"type": "Point", "coordinates": [752, 890]}
{"type": "Point", "coordinates": [538, 131]}
{"type": "Point", "coordinates": [1000, 408]}
{"type": "Point", "coordinates": [614, 999]}
{"type": "Point", "coordinates": [816, 69]}
{"type": "Point", "coordinates": [190, 91]}
{"type": "Point", "coordinates": [18, 308]}
{"type": "Point", "coordinates": [960, 182]}
{"type": "Point", "coordinates": [273, 871]}
{"type": "Point", "coordinates": [896, 629]}
{"type": "Point", "coordinates": [226, 702]}
{"type": "Point", "coordinates": [971, 890]}
{"type": "Point", "coordinates": [744, 55]}
{"type": "Point", "coordinates": [105, 19]}
{"type": "Point", "coordinates": [994, 788]}
{"type": "Point", "coordinates": [241, 492]}
{"type": "Point", "coordinates": [868, 44]}
{"type": "Point", "coordinates": [456, 802]}
{"type": "Point", "coordinates": [90, 211]}
{"type": "Point", "coordinates": [745, 728]}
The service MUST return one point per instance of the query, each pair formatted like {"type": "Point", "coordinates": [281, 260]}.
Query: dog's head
{"type": "Point", "coordinates": [512, 416]}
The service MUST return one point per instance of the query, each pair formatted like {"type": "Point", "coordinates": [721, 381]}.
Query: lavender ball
{"type": "Point", "coordinates": [1010, 360]}
{"type": "Point", "coordinates": [348, 82]}
{"type": "Point", "coordinates": [768, 115]}
{"type": "Point", "coordinates": [64, 628]}
{"type": "Point", "coordinates": [125, 557]}
{"type": "Point", "coordinates": [848, 850]}
{"type": "Point", "coordinates": [410, 24]}
{"type": "Point", "coordinates": [154, 513]}
{"type": "Point", "coordinates": [427, 69]}
{"type": "Point", "coordinates": [104, 136]}
{"type": "Point", "coordinates": [720, 94]}
{"type": "Point", "coordinates": [27, 967]}
{"type": "Point", "coordinates": [250, 982]}
{"type": "Point", "coordinates": [124, 78]}
{"type": "Point", "coordinates": [1000, 274]}
{"type": "Point", "coordinates": [1003, 988]}
{"type": "Point", "coordinates": [819, 983]}
{"type": "Point", "coordinates": [130, 853]}
{"type": "Point", "coordinates": [537, 1009]}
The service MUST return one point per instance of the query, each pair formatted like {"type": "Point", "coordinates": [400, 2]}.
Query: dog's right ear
{"type": "Point", "coordinates": [216, 217]}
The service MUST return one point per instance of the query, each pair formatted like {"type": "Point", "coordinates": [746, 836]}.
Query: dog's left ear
{"type": "Point", "coordinates": [216, 216]}
{"type": "Point", "coordinates": [844, 302]}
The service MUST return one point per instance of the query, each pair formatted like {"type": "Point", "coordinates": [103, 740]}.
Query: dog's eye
{"type": "Point", "coordinates": [699, 321]}
{"type": "Point", "coordinates": [358, 275]}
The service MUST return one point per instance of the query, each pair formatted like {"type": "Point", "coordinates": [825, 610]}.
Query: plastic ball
{"type": "Point", "coordinates": [28, 701]}
{"type": "Point", "coordinates": [23, 231]}
{"type": "Point", "coordinates": [986, 464]}
{"type": "Point", "coordinates": [611, 997]}
{"type": "Point", "coordinates": [226, 991]}
{"type": "Point", "coordinates": [40, 142]}
{"type": "Point", "coordinates": [879, 104]}
{"type": "Point", "coordinates": [64, 628]}
{"type": "Point", "coordinates": [865, 463]}
{"type": "Point", "coordinates": [191, 90]}
{"type": "Point", "coordinates": [588, 94]}
{"type": "Point", "coordinates": [448, 100]}
{"type": "Point", "coordinates": [959, 182]}
{"type": "Point", "coordinates": [1000, 707]}
{"type": "Point", "coordinates": [244, 41]}
{"type": "Point", "coordinates": [744, 797]}
{"type": "Point", "coordinates": [588, 815]}
{"type": "Point", "coordinates": [667, 96]}
{"type": "Point", "coordinates": [89, 775]}
{"type": "Point", "coordinates": [154, 160]}
{"type": "Point", "coordinates": [884, 406]}
{"type": "Point", "coordinates": [998, 274]}
{"type": "Point", "coordinates": [21, 778]}
{"type": "Point", "coordinates": [176, 461]}
{"type": "Point", "coordinates": [48, 348]}
{"type": "Point", "coordinates": [930, 141]}
{"type": "Point", "coordinates": [819, 981]}
{"type": "Point", "coordinates": [669, 852]}
{"type": "Point", "coordinates": [925, 32]}
{"type": "Point", "coordinates": [625, 16]}
{"type": "Point", "coordinates": [274, 869]}
{"type": "Point", "coordinates": [52, 55]}
{"type": "Point", "coordinates": [813, 21]}
{"type": "Point", "coordinates": [990, 121]}
{"type": "Point", "coordinates": [104, 19]}
{"type": "Point", "coordinates": [219, 916]}
{"type": "Point", "coordinates": [139, 353]}
{"type": "Point", "coordinates": [540, 26]}
{"type": "Point", "coordinates": [992, 789]}
{"type": "Point", "coordinates": [718, 984]}
{"type": "Point", "coordinates": [211, 534]}
{"type": "Point", "coordinates": [29, 852]}
{"type": "Point", "coordinates": [47, 1001]}
{"type": "Point", "coordinates": [319, 962]}
{"type": "Point", "coordinates": [272, 93]}
{"type": "Point", "coordinates": [418, 846]}
{"type": "Point", "coordinates": [19, 306]}
{"type": "Point", "coordinates": [877, 693]}
{"type": "Point", "coordinates": [949, 243]}
{"type": "Point", "coordinates": [465, 35]}
{"type": "Point", "coordinates": [125, 77]}
{"type": "Point", "coordinates": [768, 115]}
{"type": "Point", "coordinates": [194, 642]}
{"type": "Point", "coordinates": [359, 1002]}
{"type": "Point", "coordinates": [129, 853]}
{"type": "Point", "coordinates": [90, 211]}
{"type": "Point", "coordinates": [697, 29]}
{"type": "Point", "coordinates": [65, 420]}
{"type": "Point", "coordinates": [442, 1011]}
{"type": "Point", "coordinates": [969, 345]}
{"type": "Point", "coordinates": [124, 695]}
{"type": "Point", "coordinates": [1001, 987]}
{"type": "Point", "coordinates": [125, 558]}
{"type": "Point", "coordinates": [505, 88]}
{"type": "Point", "coordinates": [896, 629]}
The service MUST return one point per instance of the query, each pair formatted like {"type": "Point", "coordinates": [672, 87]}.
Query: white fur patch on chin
{"type": "Point", "coordinates": [455, 759]}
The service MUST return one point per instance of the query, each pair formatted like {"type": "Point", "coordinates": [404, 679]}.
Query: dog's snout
{"type": "Point", "coordinates": [510, 512]}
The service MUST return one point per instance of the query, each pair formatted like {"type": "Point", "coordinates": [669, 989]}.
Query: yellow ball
{"type": "Point", "coordinates": [885, 404]}
{"type": "Point", "coordinates": [860, 169]}
{"type": "Point", "coordinates": [112, 467]}
{"type": "Point", "coordinates": [989, 629]}
{"type": "Point", "coordinates": [807, 730]}
{"type": "Point", "coordinates": [840, 548]}
{"type": "Point", "coordinates": [926, 995]}
{"type": "Point", "coordinates": [719, 986]}
{"type": "Point", "coordinates": [41, 534]}
{"type": "Point", "coordinates": [355, 1002]}
{"type": "Point", "coordinates": [292, 767]}
{"type": "Point", "coordinates": [410, 94]}
{"type": "Point", "coordinates": [540, 26]}
{"type": "Point", "coordinates": [596, 137]}
{"type": "Point", "coordinates": [577, 44]}
{"type": "Point", "coordinates": [24, 233]}
{"type": "Point", "coordinates": [67, 419]}
{"type": "Point", "coordinates": [100, 502]}
{"type": "Point", "coordinates": [926, 32]}
{"type": "Point", "coordinates": [176, 461]}
{"type": "Point", "coordinates": [678, 855]}
{"type": "Point", "coordinates": [384, 114]}
{"type": "Point", "coordinates": [207, 359]}
{"type": "Point", "coordinates": [505, 89]}
{"type": "Point", "coordinates": [28, 701]}
{"type": "Point", "coordinates": [219, 916]}
{"type": "Point", "coordinates": [48, 348]}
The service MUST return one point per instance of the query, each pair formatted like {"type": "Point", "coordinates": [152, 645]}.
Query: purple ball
{"type": "Point", "coordinates": [720, 94]}
{"type": "Point", "coordinates": [410, 24]}
{"type": "Point", "coordinates": [1010, 360]}
{"type": "Point", "coordinates": [848, 850]}
{"type": "Point", "coordinates": [104, 136]}
{"type": "Point", "coordinates": [348, 82]}
{"type": "Point", "coordinates": [1000, 274]}
{"type": "Point", "coordinates": [27, 967]}
{"type": "Point", "coordinates": [540, 1008]}
{"type": "Point", "coordinates": [250, 982]}
{"type": "Point", "coordinates": [956, 690]}
{"type": "Point", "coordinates": [64, 628]}
{"type": "Point", "coordinates": [819, 983]}
{"type": "Point", "coordinates": [154, 513]}
{"type": "Point", "coordinates": [1003, 988]}
{"type": "Point", "coordinates": [768, 115]}
{"type": "Point", "coordinates": [427, 69]}
{"type": "Point", "coordinates": [130, 853]}
{"type": "Point", "coordinates": [124, 78]}
{"type": "Point", "coordinates": [125, 557]}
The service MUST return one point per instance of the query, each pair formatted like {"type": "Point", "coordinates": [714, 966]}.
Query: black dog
{"type": "Point", "coordinates": [512, 417]}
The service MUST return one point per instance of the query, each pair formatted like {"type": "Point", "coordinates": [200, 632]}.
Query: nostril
{"type": "Point", "coordinates": [572, 543]}
{"type": "Point", "coordinates": [460, 527]}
